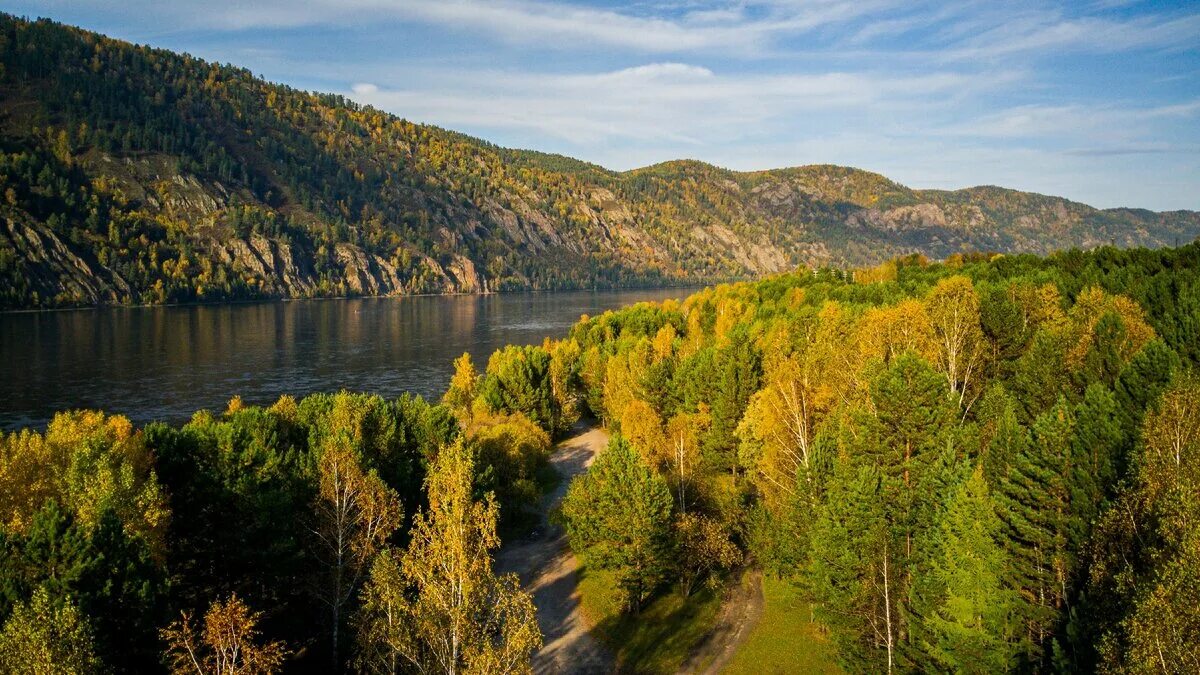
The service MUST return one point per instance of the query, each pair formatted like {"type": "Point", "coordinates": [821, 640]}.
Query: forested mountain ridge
{"type": "Point", "coordinates": [137, 175]}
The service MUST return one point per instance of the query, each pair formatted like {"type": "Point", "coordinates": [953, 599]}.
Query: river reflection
{"type": "Point", "coordinates": [164, 363]}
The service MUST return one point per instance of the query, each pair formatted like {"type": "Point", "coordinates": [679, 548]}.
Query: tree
{"type": "Point", "coordinates": [853, 572]}
{"type": "Point", "coordinates": [1033, 503]}
{"type": "Point", "coordinates": [778, 432]}
{"type": "Point", "coordinates": [1003, 436]}
{"type": "Point", "coordinates": [682, 456]}
{"type": "Point", "coordinates": [355, 515]}
{"type": "Point", "coordinates": [954, 313]}
{"type": "Point", "coordinates": [464, 385]}
{"type": "Point", "coordinates": [887, 332]}
{"type": "Point", "coordinates": [1164, 629]}
{"type": "Point", "coordinates": [618, 517]}
{"type": "Point", "coordinates": [1142, 381]}
{"type": "Point", "coordinates": [48, 638]}
{"type": "Point", "coordinates": [1148, 546]}
{"type": "Point", "coordinates": [228, 645]}
{"type": "Point", "coordinates": [106, 574]}
{"type": "Point", "coordinates": [519, 379]}
{"type": "Point", "coordinates": [1095, 455]}
{"type": "Point", "coordinates": [565, 364]}
{"type": "Point", "coordinates": [973, 628]}
{"type": "Point", "coordinates": [704, 548]}
{"type": "Point", "coordinates": [1171, 434]}
{"type": "Point", "coordinates": [90, 463]}
{"type": "Point", "coordinates": [510, 449]}
{"type": "Point", "coordinates": [737, 368]}
{"type": "Point", "coordinates": [440, 607]}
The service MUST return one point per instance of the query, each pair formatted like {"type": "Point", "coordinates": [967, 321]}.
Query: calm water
{"type": "Point", "coordinates": [164, 363]}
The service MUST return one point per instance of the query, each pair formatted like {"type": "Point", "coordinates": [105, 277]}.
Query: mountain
{"type": "Point", "coordinates": [137, 175]}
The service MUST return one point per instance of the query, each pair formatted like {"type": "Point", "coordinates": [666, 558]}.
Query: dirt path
{"type": "Point", "coordinates": [549, 571]}
{"type": "Point", "coordinates": [740, 611]}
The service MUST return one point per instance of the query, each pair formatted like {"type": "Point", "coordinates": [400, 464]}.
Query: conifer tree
{"type": "Point", "coordinates": [973, 628]}
{"type": "Point", "coordinates": [853, 571]}
{"type": "Point", "coordinates": [618, 517]}
{"type": "Point", "coordinates": [1033, 499]}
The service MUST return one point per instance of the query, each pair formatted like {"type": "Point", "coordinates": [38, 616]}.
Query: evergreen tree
{"type": "Point", "coordinates": [973, 628]}
{"type": "Point", "coordinates": [1033, 503]}
{"type": "Point", "coordinates": [853, 569]}
{"type": "Point", "coordinates": [618, 517]}
{"type": "Point", "coordinates": [737, 368]}
{"type": "Point", "coordinates": [1096, 454]}
{"type": "Point", "coordinates": [1140, 382]}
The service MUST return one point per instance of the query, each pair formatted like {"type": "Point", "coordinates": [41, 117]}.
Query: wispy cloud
{"type": "Point", "coordinates": [1072, 121]}
{"type": "Point", "coordinates": [665, 100]}
{"type": "Point", "coordinates": [1039, 32]}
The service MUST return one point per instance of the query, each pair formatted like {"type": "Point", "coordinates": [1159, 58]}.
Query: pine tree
{"type": "Point", "coordinates": [1033, 499]}
{"type": "Point", "coordinates": [618, 517]}
{"type": "Point", "coordinates": [973, 628]}
{"type": "Point", "coordinates": [1004, 437]}
{"type": "Point", "coordinates": [1095, 449]}
{"type": "Point", "coordinates": [853, 572]}
{"type": "Point", "coordinates": [738, 368]}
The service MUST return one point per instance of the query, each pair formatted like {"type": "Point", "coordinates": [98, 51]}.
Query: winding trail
{"type": "Point", "coordinates": [741, 610]}
{"type": "Point", "coordinates": [550, 572]}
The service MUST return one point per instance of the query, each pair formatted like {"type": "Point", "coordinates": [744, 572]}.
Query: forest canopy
{"type": "Point", "coordinates": [986, 464]}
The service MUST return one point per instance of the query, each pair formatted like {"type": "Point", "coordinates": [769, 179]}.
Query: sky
{"type": "Point", "coordinates": [1098, 100]}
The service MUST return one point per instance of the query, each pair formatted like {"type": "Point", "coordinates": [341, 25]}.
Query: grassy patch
{"type": "Point", "coordinates": [659, 639]}
{"type": "Point", "coordinates": [786, 640]}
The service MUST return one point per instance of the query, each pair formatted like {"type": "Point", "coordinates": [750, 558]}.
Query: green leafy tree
{"type": "Point", "coordinates": [43, 636]}
{"type": "Point", "coordinates": [519, 380]}
{"type": "Point", "coordinates": [618, 517]}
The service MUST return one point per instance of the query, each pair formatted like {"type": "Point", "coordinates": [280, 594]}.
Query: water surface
{"type": "Point", "coordinates": [164, 363]}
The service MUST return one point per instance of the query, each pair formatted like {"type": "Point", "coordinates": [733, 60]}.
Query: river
{"type": "Point", "coordinates": [164, 363]}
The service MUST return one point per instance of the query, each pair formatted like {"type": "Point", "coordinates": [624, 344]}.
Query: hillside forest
{"type": "Point", "coordinates": [989, 464]}
{"type": "Point", "coordinates": [133, 175]}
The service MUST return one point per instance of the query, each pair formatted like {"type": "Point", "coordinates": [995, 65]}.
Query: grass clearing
{"type": "Point", "coordinates": [659, 639]}
{"type": "Point", "coordinates": [786, 640]}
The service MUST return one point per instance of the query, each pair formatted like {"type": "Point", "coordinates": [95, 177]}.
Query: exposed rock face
{"type": "Point", "coordinates": [214, 184]}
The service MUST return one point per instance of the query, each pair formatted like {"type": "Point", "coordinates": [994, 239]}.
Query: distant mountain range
{"type": "Point", "coordinates": [138, 175]}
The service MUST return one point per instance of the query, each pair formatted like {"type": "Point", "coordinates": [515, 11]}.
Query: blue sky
{"type": "Point", "coordinates": [1098, 100]}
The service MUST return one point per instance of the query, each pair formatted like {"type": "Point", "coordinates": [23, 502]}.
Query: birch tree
{"type": "Point", "coordinates": [438, 607]}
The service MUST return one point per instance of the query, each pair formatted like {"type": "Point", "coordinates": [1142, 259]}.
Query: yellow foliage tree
{"type": "Point", "coordinates": [228, 645]}
{"type": "Point", "coordinates": [90, 463]}
{"type": "Point", "coordinates": [439, 607]}
{"type": "Point", "coordinates": [953, 309]}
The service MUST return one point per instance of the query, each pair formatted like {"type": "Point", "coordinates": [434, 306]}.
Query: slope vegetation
{"type": "Point", "coordinates": [137, 175]}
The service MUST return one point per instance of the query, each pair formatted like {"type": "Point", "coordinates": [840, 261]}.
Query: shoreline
{"type": "Point", "coordinates": [690, 284]}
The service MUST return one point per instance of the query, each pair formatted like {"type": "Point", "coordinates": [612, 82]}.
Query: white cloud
{"type": "Point", "coordinates": [1048, 32]}
{"type": "Point", "coordinates": [364, 88]}
{"type": "Point", "coordinates": [690, 104]}
{"type": "Point", "coordinates": [1112, 122]}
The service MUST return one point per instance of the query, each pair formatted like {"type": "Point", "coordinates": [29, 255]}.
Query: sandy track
{"type": "Point", "coordinates": [740, 612]}
{"type": "Point", "coordinates": [549, 571]}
